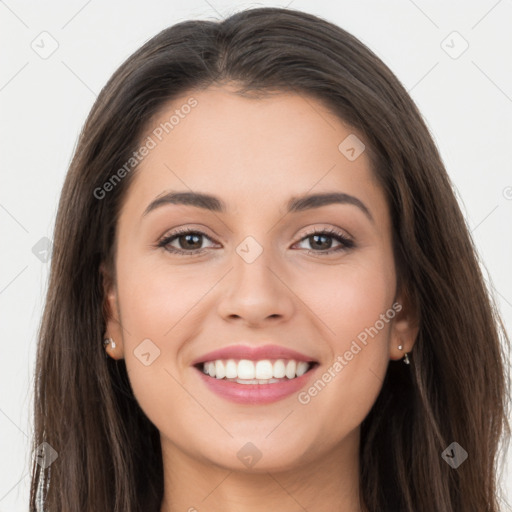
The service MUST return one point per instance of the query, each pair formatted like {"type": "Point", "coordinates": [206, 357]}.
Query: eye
{"type": "Point", "coordinates": [322, 239]}
{"type": "Point", "coordinates": [189, 242]}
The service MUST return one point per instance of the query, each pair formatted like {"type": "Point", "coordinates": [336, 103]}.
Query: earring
{"type": "Point", "coordinates": [406, 358]}
{"type": "Point", "coordinates": [106, 341]}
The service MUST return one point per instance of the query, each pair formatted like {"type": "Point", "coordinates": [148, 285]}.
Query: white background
{"type": "Point", "coordinates": [466, 102]}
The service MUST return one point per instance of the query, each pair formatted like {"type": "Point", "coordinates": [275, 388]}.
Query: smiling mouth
{"type": "Point", "coordinates": [256, 372]}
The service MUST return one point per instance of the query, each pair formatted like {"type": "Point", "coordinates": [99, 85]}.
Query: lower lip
{"type": "Point", "coordinates": [255, 393]}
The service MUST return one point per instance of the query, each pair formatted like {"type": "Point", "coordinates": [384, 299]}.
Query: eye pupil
{"type": "Point", "coordinates": [320, 246]}
{"type": "Point", "coordinates": [188, 236]}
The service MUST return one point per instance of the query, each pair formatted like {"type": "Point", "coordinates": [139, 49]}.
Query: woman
{"type": "Point", "coordinates": [258, 232]}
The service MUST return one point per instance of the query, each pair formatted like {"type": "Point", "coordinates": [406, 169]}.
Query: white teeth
{"type": "Point", "coordinates": [264, 369]}
{"type": "Point", "coordinates": [231, 369]}
{"type": "Point", "coordinates": [256, 381]}
{"type": "Point", "coordinates": [302, 368]}
{"type": "Point", "coordinates": [279, 369]}
{"type": "Point", "coordinates": [255, 372]}
{"type": "Point", "coordinates": [220, 371]}
{"type": "Point", "coordinates": [291, 367]}
{"type": "Point", "coordinates": [246, 369]}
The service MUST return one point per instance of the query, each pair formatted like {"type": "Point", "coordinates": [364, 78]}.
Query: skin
{"type": "Point", "coordinates": [255, 154]}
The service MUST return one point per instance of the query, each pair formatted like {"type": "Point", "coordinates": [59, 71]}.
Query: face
{"type": "Point", "coordinates": [319, 279]}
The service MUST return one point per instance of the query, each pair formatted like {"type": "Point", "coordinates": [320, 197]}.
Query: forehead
{"type": "Point", "coordinates": [250, 150]}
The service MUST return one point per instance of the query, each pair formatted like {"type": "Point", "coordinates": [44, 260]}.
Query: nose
{"type": "Point", "coordinates": [256, 293]}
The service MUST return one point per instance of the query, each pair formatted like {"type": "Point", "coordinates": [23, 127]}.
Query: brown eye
{"type": "Point", "coordinates": [184, 242]}
{"type": "Point", "coordinates": [321, 242]}
{"type": "Point", "coordinates": [190, 241]}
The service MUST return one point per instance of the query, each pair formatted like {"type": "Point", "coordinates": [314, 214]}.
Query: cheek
{"type": "Point", "coordinates": [156, 307]}
{"type": "Point", "coordinates": [154, 297]}
{"type": "Point", "coordinates": [348, 298]}
{"type": "Point", "coordinates": [353, 307]}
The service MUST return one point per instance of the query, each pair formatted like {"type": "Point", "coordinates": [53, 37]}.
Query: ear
{"type": "Point", "coordinates": [405, 327]}
{"type": "Point", "coordinates": [111, 314]}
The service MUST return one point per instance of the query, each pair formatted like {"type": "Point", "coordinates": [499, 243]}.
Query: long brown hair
{"type": "Point", "coordinates": [454, 390]}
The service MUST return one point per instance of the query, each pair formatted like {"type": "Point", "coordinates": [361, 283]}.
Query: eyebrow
{"type": "Point", "coordinates": [295, 204]}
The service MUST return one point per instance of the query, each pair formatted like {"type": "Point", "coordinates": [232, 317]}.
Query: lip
{"type": "Point", "coordinates": [256, 394]}
{"type": "Point", "coordinates": [254, 354]}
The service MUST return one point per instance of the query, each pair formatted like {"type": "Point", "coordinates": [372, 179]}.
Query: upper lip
{"type": "Point", "coordinates": [253, 353]}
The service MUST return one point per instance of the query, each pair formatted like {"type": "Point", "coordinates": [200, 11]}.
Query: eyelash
{"type": "Point", "coordinates": [345, 242]}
